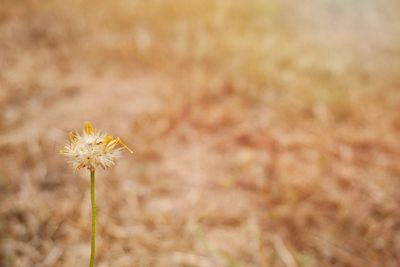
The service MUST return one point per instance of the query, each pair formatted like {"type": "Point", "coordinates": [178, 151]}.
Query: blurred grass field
{"type": "Point", "coordinates": [266, 133]}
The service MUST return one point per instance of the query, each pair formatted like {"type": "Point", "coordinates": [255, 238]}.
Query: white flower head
{"type": "Point", "coordinates": [93, 149]}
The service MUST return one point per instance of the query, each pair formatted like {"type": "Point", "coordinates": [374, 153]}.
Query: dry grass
{"type": "Point", "coordinates": [266, 133]}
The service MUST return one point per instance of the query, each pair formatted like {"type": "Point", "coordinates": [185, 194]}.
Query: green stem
{"type": "Point", "coordinates": [93, 200]}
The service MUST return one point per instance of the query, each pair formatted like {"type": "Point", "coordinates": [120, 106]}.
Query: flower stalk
{"type": "Point", "coordinates": [93, 202]}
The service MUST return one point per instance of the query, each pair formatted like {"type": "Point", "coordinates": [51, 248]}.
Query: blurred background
{"type": "Point", "coordinates": [265, 133]}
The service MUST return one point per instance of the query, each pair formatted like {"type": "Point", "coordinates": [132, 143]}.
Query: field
{"type": "Point", "coordinates": [265, 133]}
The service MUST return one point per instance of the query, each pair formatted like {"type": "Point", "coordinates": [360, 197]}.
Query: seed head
{"type": "Point", "coordinates": [93, 149]}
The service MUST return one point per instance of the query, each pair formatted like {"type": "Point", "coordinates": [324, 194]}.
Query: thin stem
{"type": "Point", "coordinates": [93, 200]}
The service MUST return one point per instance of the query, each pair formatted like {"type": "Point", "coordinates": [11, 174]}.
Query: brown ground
{"type": "Point", "coordinates": [266, 133]}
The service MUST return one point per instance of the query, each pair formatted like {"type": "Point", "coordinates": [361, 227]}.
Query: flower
{"type": "Point", "coordinates": [93, 149]}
